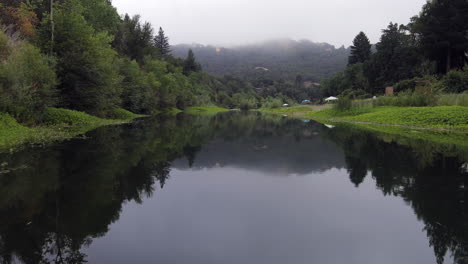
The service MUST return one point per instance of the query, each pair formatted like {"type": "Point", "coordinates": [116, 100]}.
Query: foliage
{"type": "Point", "coordinates": [343, 104]}
{"type": "Point", "coordinates": [441, 28]}
{"type": "Point", "coordinates": [204, 110]}
{"type": "Point", "coordinates": [455, 81]}
{"type": "Point", "coordinates": [89, 79]}
{"type": "Point", "coordinates": [271, 102]}
{"type": "Point", "coordinates": [69, 117]}
{"type": "Point", "coordinates": [360, 50]}
{"type": "Point", "coordinates": [453, 117]}
{"type": "Point", "coordinates": [122, 114]}
{"type": "Point", "coordinates": [190, 64]}
{"type": "Point", "coordinates": [453, 99]}
{"type": "Point", "coordinates": [422, 96]}
{"type": "Point", "coordinates": [161, 42]}
{"type": "Point", "coordinates": [134, 39]}
{"type": "Point", "coordinates": [27, 81]}
{"type": "Point", "coordinates": [274, 60]}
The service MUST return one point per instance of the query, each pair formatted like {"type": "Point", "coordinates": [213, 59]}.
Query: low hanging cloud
{"type": "Point", "coordinates": [234, 22]}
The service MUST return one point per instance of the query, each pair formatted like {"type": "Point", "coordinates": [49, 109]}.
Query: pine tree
{"type": "Point", "coordinates": [190, 64]}
{"type": "Point", "coordinates": [361, 49]}
{"type": "Point", "coordinates": [442, 29]}
{"type": "Point", "coordinates": [162, 43]}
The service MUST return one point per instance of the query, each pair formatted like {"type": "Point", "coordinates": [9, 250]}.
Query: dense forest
{"type": "Point", "coordinates": [281, 59]}
{"type": "Point", "coordinates": [83, 55]}
{"type": "Point", "coordinates": [427, 55]}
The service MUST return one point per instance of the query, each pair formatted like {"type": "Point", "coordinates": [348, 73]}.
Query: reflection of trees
{"type": "Point", "coordinates": [56, 200]}
{"type": "Point", "coordinates": [67, 195]}
{"type": "Point", "coordinates": [427, 176]}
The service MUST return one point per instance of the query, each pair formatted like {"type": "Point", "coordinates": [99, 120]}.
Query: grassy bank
{"type": "Point", "coordinates": [58, 124]}
{"type": "Point", "coordinates": [297, 110]}
{"type": "Point", "coordinates": [204, 110]}
{"type": "Point", "coordinates": [438, 117]}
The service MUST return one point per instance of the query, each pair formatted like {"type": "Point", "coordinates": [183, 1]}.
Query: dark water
{"type": "Point", "coordinates": [235, 188]}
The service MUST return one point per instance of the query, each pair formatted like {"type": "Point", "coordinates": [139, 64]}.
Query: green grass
{"type": "Point", "coordinates": [122, 114]}
{"type": "Point", "coordinates": [172, 111]}
{"type": "Point", "coordinates": [59, 124]}
{"type": "Point", "coordinates": [297, 110]}
{"type": "Point", "coordinates": [204, 110]}
{"type": "Point", "coordinates": [449, 117]}
{"type": "Point", "coordinates": [55, 116]}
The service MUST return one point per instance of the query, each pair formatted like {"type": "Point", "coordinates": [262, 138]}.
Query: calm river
{"type": "Point", "coordinates": [235, 188]}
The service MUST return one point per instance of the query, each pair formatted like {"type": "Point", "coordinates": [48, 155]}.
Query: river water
{"type": "Point", "coordinates": [235, 188]}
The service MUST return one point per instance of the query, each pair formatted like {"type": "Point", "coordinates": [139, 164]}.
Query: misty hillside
{"type": "Point", "coordinates": [276, 59]}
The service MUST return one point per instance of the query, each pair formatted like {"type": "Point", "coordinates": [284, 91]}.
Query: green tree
{"type": "Point", "coordinates": [161, 41]}
{"type": "Point", "coordinates": [27, 81]}
{"type": "Point", "coordinates": [397, 58]}
{"type": "Point", "coordinates": [360, 50]}
{"type": "Point", "coordinates": [190, 64]}
{"type": "Point", "coordinates": [87, 68]}
{"type": "Point", "coordinates": [134, 39]}
{"type": "Point", "coordinates": [442, 30]}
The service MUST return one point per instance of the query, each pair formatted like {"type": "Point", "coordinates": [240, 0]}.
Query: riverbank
{"type": "Point", "coordinates": [205, 110]}
{"type": "Point", "coordinates": [58, 124]}
{"type": "Point", "coordinates": [437, 118]}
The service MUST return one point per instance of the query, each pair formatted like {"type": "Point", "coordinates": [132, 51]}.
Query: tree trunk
{"type": "Point", "coordinates": [52, 27]}
{"type": "Point", "coordinates": [449, 60]}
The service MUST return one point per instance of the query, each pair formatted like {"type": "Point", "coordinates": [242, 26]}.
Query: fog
{"type": "Point", "coordinates": [234, 22]}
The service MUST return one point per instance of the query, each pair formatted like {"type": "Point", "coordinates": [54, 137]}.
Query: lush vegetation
{"type": "Point", "coordinates": [281, 59]}
{"type": "Point", "coordinates": [204, 110]}
{"type": "Point", "coordinates": [427, 55]}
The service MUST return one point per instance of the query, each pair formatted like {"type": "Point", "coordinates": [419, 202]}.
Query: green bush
{"type": "Point", "coordinates": [69, 117]}
{"type": "Point", "coordinates": [271, 102]}
{"type": "Point", "coordinates": [27, 83]}
{"type": "Point", "coordinates": [343, 104]}
{"type": "Point", "coordinates": [455, 81]}
{"type": "Point", "coordinates": [422, 96]}
{"type": "Point", "coordinates": [453, 99]}
{"type": "Point", "coordinates": [120, 113]}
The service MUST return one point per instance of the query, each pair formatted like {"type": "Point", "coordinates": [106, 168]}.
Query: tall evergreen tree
{"type": "Point", "coordinates": [162, 43]}
{"type": "Point", "coordinates": [190, 64]}
{"type": "Point", "coordinates": [442, 28]}
{"type": "Point", "coordinates": [360, 50]}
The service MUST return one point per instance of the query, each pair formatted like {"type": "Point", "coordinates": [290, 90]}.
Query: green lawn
{"type": "Point", "coordinates": [58, 124]}
{"type": "Point", "coordinates": [204, 110]}
{"type": "Point", "coordinates": [449, 117]}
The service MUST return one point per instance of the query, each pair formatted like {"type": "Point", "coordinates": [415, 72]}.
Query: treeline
{"type": "Point", "coordinates": [429, 54]}
{"type": "Point", "coordinates": [281, 59]}
{"type": "Point", "coordinates": [83, 55]}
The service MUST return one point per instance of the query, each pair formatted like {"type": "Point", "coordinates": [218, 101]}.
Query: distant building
{"type": "Point", "coordinates": [308, 84]}
{"type": "Point", "coordinates": [389, 90]}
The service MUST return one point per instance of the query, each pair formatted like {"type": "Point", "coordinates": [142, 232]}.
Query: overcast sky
{"type": "Point", "coordinates": [233, 22]}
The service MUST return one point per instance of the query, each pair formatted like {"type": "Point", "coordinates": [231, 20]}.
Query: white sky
{"type": "Point", "coordinates": [234, 22]}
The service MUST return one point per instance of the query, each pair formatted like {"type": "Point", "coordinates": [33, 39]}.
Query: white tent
{"type": "Point", "coordinates": [331, 98]}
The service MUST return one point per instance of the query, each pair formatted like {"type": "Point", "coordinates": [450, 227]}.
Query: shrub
{"type": "Point", "coordinates": [271, 102]}
{"type": "Point", "coordinates": [455, 81]}
{"type": "Point", "coordinates": [120, 113]}
{"type": "Point", "coordinates": [422, 96]}
{"type": "Point", "coordinates": [343, 104]}
{"type": "Point", "coordinates": [69, 117]}
{"type": "Point", "coordinates": [27, 83]}
{"type": "Point", "coordinates": [453, 99]}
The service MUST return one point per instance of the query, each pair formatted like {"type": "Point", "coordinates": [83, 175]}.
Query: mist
{"type": "Point", "coordinates": [235, 22]}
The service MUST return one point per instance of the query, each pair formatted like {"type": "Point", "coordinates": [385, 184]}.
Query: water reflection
{"type": "Point", "coordinates": [55, 201]}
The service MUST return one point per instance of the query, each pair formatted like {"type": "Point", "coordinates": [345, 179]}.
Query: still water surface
{"type": "Point", "coordinates": [234, 188]}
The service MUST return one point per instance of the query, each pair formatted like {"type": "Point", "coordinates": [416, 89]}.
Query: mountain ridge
{"type": "Point", "coordinates": [284, 58]}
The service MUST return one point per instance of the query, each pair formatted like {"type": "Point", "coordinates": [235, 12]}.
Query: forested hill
{"type": "Point", "coordinates": [275, 59]}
